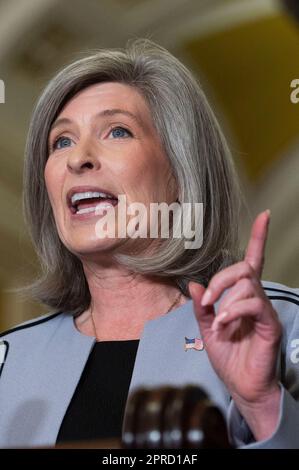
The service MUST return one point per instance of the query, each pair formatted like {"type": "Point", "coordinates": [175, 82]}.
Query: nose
{"type": "Point", "coordinates": [83, 157]}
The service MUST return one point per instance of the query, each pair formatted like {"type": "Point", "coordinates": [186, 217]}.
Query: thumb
{"type": "Point", "coordinates": [205, 315]}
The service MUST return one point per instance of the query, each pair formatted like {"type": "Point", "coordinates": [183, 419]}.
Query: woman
{"type": "Point", "coordinates": [135, 123]}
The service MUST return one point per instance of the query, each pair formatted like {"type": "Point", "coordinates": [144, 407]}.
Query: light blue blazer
{"type": "Point", "coordinates": [43, 359]}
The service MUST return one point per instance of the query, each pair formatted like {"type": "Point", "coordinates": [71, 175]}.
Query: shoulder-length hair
{"type": "Point", "coordinates": [198, 154]}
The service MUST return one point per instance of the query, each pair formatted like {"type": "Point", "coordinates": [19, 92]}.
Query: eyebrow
{"type": "Point", "coordinates": [105, 112]}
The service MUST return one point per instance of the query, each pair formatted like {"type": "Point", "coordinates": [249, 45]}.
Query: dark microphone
{"type": "Point", "coordinates": [173, 418]}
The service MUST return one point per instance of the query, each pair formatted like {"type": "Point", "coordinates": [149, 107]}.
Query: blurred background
{"type": "Point", "coordinates": [245, 52]}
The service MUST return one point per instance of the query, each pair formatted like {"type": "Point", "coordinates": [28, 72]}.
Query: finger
{"type": "Point", "coordinates": [225, 279]}
{"type": "Point", "coordinates": [250, 267]}
{"type": "Point", "coordinates": [254, 308]}
{"type": "Point", "coordinates": [255, 253]}
{"type": "Point", "coordinates": [244, 289]}
{"type": "Point", "coordinates": [205, 315]}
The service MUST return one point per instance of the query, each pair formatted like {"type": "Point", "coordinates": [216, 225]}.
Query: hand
{"type": "Point", "coordinates": [242, 341]}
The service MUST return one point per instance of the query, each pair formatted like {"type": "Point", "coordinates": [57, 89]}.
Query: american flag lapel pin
{"type": "Point", "coordinates": [193, 343]}
{"type": "Point", "coordinates": [3, 353]}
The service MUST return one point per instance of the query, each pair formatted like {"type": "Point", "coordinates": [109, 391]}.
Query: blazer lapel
{"type": "Point", "coordinates": [34, 401]}
{"type": "Point", "coordinates": [162, 359]}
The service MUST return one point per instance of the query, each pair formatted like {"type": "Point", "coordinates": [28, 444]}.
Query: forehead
{"type": "Point", "coordinates": [112, 94]}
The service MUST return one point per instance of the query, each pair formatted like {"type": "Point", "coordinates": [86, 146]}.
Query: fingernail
{"type": "Point", "coordinates": [268, 212]}
{"type": "Point", "coordinates": [206, 297]}
{"type": "Point", "coordinates": [217, 322]}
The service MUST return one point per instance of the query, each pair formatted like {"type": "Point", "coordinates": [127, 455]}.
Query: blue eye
{"type": "Point", "coordinates": [118, 132]}
{"type": "Point", "coordinates": [63, 142]}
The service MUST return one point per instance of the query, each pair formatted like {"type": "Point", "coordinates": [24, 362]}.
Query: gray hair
{"type": "Point", "coordinates": [197, 151]}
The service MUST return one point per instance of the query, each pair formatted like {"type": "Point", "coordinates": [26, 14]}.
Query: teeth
{"type": "Point", "coordinates": [87, 195]}
{"type": "Point", "coordinates": [86, 210]}
{"type": "Point", "coordinates": [100, 208]}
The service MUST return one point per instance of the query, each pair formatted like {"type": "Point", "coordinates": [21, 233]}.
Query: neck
{"type": "Point", "coordinates": [122, 302]}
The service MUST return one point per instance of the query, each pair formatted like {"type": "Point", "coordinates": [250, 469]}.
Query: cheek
{"type": "Point", "coordinates": [152, 171]}
{"type": "Point", "coordinates": [53, 181]}
{"type": "Point", "coordinates": [146, 163]}
{"type": "Point", "coordinates": [155, 173]}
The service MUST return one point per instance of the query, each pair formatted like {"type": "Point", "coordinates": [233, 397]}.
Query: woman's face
{"type": "Point", "coordinates": [103, 141]}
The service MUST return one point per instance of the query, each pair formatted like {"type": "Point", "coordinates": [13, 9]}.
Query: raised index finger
{"type": "Point", "coordinates": [255, 253]}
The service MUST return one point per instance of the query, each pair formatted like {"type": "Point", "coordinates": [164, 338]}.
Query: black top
{"type": "Point", "coordinates": [97, 406]}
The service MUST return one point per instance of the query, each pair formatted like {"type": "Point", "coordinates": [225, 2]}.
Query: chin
{"type": "Point", "coordinates": [94, 248]}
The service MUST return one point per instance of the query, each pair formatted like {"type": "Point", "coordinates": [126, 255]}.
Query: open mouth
{"type": "Point", "coordinates": [86, 202]}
